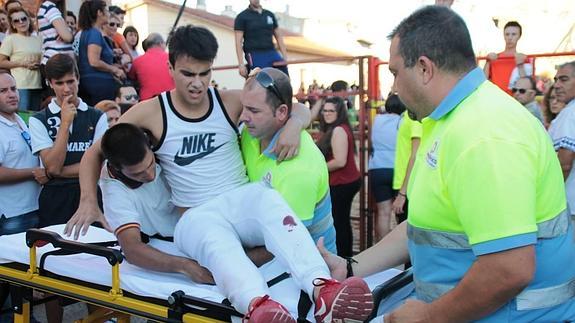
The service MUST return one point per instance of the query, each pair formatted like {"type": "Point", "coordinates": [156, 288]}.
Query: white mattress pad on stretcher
{"type": "Point", "coordinates": [143, 282]}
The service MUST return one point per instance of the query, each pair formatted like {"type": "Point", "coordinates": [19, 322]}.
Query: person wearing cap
{"type": "Point", "coordinates": [488, 233]}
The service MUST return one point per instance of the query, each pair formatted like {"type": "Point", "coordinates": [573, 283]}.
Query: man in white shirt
{"type": "Point", "coordinates": [562, 130]}
{"type": "Point", "coordinates": [20, 172]}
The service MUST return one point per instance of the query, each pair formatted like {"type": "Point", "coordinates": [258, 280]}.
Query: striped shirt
{"type": "Point", "coordinates": [51, 45]}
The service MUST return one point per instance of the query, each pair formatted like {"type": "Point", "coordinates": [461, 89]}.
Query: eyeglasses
{"type": "Point", "coordinates": [521, 91]}
{"type": "Point", "coordinates": [26, 136]}
{"type": "Point", "coordinates": [328, 111]}
{"type": "Point", "coordinates": [265, 80]}
{"type": "Point", "coordinates": [113, 24]}
{"type": "Point", "coordinates": [19, 20]}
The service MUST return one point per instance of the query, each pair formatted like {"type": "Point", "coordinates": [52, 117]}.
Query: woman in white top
{"type": "Point", "coordinates": [383, 138]}
{"type": "Point", "coordinates": [21, 52]}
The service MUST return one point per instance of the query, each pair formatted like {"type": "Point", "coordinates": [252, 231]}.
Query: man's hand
{"type": "Point", "coordinates": [243, 70]}
{"type": "Point", "coordinates": [69, 110]}
{"type": "Point", "coordinates": [87, 213]}
{"type": "Point", "coordinates": [336, 264]}
{"type": "Point", "coordinates": [412, 311]}
{"type": "Point", "coordinates": [40, 175]}
{"type": "Point", "coordinates": [197, 273]}
{"type": "Point", "coordinates": [287, 145]}
{"type": "Point", "coordinates": [491, 56]}
{"type": "Point", "coordinates": [398, 203]}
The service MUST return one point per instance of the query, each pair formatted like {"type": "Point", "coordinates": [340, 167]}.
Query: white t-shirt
{"type": "Point", "coordinates": [562, 132]}
{"type": "Point", "coordinates": [17, 198]}
{"type": "Point", "coordinates": [383, 138]}
{"type": "Point", "coordinates": [147, 206]}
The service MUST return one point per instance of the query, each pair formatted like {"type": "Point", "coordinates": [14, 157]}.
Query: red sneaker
{"type": "Point", "coordinates": [339, 301]}
{"type": "Point", "coordinates": [266, 310]}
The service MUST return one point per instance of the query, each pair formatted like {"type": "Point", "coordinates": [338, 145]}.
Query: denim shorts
{"type": "Point", "coordinates": [19, 223]}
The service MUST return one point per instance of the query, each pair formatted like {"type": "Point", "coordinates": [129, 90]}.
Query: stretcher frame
{"type": "Point", "coordinates": [23, 279]}
{"type": "Point", "coordinates": [179, 307]}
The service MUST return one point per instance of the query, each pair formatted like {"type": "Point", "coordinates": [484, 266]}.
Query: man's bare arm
{"type": "Point", "coordinates": [566, 158]}
{"type": "Point", "coordinates": [13, 175]}
{"type": "Point", "coordinates": [145, 256]}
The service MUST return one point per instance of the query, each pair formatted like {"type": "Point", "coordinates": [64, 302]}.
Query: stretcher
{"type": "Point", "coordinates": [93, 270]}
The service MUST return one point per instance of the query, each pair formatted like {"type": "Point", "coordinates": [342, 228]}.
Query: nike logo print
{"type": "Point", "coordinates": [183, 161]}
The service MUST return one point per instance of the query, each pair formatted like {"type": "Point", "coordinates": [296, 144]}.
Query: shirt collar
{"type": "Point", "coordinates": [462, 89]}
{"type": "Point", "coordinates": [10, 123]}
{"type": "Point", "coordinates": [55, 108]}
{"type": "Point", "coordinates": [268, 151]}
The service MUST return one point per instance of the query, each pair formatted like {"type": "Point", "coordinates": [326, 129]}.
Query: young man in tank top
{"type": "Point", "coordinates": [197, 144]}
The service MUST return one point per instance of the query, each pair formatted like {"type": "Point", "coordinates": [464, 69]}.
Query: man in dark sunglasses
{"type": "Point", "coordinates": [20, 171]}
{"type": "Point", "coordinates": [126, 97]}
{"type": "Point", "coordinates": [524, 91]}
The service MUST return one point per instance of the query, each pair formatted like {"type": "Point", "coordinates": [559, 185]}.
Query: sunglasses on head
{"type": "Point", "coordinates": [265, 80]}
{"type": "Point", "coordinates": [19, 20]}
{"type": "Point", "coordinates": [113, 24]}
{"type": "Point", "coordinates": [521, 91]}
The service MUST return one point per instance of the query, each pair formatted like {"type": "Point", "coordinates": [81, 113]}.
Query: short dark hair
{"type": "Point", "coordinates": [71, 14]}
{"type": "Point", "coordinates": [192, 41]}
{"type": "Point", "coordinates": [514, 24]}
{"type": "Point", "coordinates": [89, 13]}
{"type": "Point", "coordinates": [117, 10]}
{"type": "Point", "coordinates": [394, 105]}
{"type": "Point", "coordinates": [59, 66]}
{"type": "Point", "coordinates": [132, 29]}
{"type": "Point", "coordinates": [438, 33]}
{"type": "Point", "coordinates": [124, 144]}
{"type": "Point", "coordinates": [339, 85]}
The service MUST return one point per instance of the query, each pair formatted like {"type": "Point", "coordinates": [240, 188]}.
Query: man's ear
{"type": "Point", "coordinates": [282, 112]}
{"type": "Point", "coordinates": [426, 68]}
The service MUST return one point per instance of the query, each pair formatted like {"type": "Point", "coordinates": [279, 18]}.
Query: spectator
{"type": "Point", "coordinates": [111, 109]}
{"type": "Point", "coordinates": [20, 171]}
{"type": "Point", "coordinates": [151, 70]}
{"type": "Point", "coordinates": [505, 68]}
{"type": "Point", "coordinates": [72, 22]}
{"type": "Point", "coordinates": [110, 30]}
{"type": "Point", "coordinates": [60, 145]}
{"type": "Point", "coordinates": [254, 28]}
{"type": "Point", "coordinates": [119, 39]}
{"type": "Point", "coordinates": [382, 157]}
{"type": "Point", "coordinates": [302, 181]}
{"type": "Point", "coordinates": [126, 97]}
{"type": "Point", "coordinates": [524, 91]}
{"type": "Point", "coordinates": [57, 37]}
{"type": "Point", "coordinates": [98, 74]}
{"type": "Point", "coordinates": [408, 139]}
{"type": "Point", "coordinates": [132, 38]}
{"type": "Point", "coordinates": [551, 106]}
{"type": "Point", "coordinates": [562, 130]}
{"type": "Point", "coordinates": [338, 147]}
{"type": "Point", "coordinates": [21, 52]}
{"type": "Point", "coordinates": [12, 5]}
{"type": "Point", "coordinates": [4, 24]}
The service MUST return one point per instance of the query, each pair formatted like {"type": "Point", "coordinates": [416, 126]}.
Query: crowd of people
{"type": "Point", "coordinates": [482, 204]}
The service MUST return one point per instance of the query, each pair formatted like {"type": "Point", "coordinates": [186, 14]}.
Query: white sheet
{"type": "Point", "coordinates": [144, 282]}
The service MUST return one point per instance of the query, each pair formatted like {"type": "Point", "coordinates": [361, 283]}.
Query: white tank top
{"type": "Point", "coordinates": [201, 157]}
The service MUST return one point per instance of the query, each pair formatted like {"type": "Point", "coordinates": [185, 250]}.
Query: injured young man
{"type": "Point", "coordinates": [215, 235]}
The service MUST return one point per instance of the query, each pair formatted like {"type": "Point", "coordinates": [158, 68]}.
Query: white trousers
{"type": "Point", "coordinates": [215, 234]}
